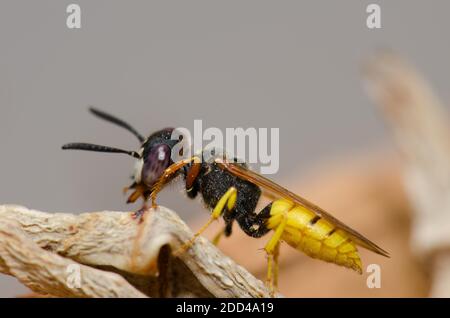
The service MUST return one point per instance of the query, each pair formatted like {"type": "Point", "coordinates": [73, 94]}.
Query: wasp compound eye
{"type": "Point", "coordinates": [156, 161]}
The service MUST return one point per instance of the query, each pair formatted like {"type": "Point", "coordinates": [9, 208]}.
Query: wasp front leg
{"type": "Point", "coordinates": [141, 212]}
{"type": "Point", "coordinates": [168, 174]}
{"type": "Point", "coordinates": [139, 191]}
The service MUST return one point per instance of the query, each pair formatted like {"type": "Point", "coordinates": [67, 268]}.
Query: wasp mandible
{"type": "Point", "coordinates": [232, 191]}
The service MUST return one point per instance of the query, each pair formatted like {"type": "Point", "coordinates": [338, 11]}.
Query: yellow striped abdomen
{"type": "Point", "coordinates": [313, 235]}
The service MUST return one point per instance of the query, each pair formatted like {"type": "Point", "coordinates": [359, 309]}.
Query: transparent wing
{"type": "Point", "coordinates": [280, 191]}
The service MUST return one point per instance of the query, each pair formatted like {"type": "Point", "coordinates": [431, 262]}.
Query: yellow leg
{"type": "Point", "coordinates": [272, 250]}
{"type": "Point", "coordinates": [218, 236]}
{"type": "Point", "coordinates": [269, 277]}
{"type": "Point", "coordinates": [168, 174]}
{"type": "Point", "coordinates": [228, 199]}
{"type": "Point", "coordinates": [276, 266]}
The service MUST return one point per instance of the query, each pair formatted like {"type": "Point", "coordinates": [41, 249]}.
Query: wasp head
{"type": "Point", "coordinates": [155, 157]}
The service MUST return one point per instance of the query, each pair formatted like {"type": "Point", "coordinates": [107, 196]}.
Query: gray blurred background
{"type": "Point", "coordinates": [288, 64]}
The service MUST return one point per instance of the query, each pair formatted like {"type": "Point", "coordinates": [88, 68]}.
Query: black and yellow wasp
{"type": "Point", "coordinates": [232, 191]}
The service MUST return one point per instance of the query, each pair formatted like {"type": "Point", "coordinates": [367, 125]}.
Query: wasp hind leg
{"type": "Point", "coordinates": [227, 201]}
{"type": "Point", "coordinates": [272, 270]}
{"type": "Point", "coordinates": [272, 249]}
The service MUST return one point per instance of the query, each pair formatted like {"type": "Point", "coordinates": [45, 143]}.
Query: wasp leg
{"type": "Point", "coordinates": [225, 230]}
{"type": "Point", "coordinates": [138, 192]}
{"type": "Point", "coordinates": [218, 236]}
{"type": "Point", "coordinates": [167, 175]}
{"type": "Point", "coordinates": [228, 201]}
{"type": "Point", "coordinates": [192, 172]}
{"type": "Point", "coordinates": [276, 254]}
{"type": "Point", "coordinates": [272, 250]}
{"type": "Point", "coordinates": [140, 213]}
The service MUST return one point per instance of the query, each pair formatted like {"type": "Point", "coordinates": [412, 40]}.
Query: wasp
{"type": "Point", "coordinates": [231, 191]}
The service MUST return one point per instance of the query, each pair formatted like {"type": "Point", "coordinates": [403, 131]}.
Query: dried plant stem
{"type": "Point", "coordinates": [118, 256]}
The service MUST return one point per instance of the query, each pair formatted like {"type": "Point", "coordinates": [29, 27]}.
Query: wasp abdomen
{"type": "Point", "coordinates": [313, 235]}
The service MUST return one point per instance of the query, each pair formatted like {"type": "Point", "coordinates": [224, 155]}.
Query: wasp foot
{"type": "Point", "coordinates": [139, 214]}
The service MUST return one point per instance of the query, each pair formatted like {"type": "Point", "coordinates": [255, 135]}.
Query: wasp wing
{"type": "Point", "coordinates": [279, 191]}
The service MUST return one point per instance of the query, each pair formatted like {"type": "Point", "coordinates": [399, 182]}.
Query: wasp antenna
{"type": "Point", "coordinates": [117, 121]}
{"type": "Point", "coordinates": [98, 148]}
